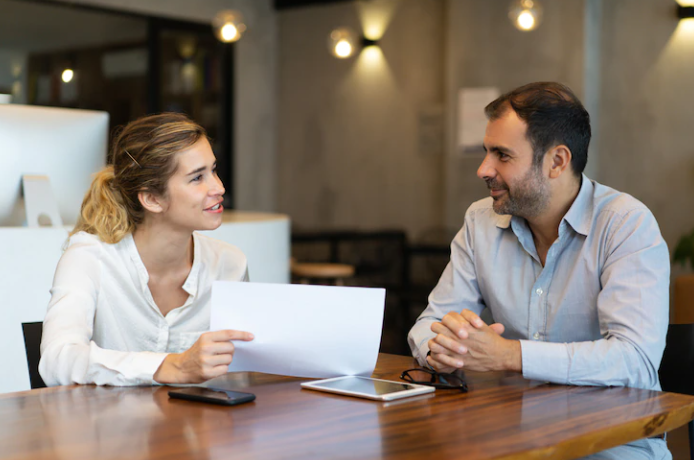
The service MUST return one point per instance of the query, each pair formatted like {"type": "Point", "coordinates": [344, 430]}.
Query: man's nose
{"type": "Point", "coordinates": [486, 169]}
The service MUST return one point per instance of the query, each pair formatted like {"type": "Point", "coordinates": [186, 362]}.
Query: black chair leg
{"type": "Point", "coordinates": [690, 425]}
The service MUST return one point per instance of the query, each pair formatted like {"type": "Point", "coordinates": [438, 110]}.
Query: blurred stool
{"type": "Point", "coordinates": [323, 272]}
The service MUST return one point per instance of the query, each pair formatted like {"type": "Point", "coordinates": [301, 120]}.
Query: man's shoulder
{"type": "Point", "coordinates": [610, 202]}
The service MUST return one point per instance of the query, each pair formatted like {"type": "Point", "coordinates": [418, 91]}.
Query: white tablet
{"type": "Point", "coordinates": [363, 387]}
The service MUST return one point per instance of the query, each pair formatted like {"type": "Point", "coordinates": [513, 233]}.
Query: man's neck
{"type": "Point", "coordinates": [545, 227]}
{"type": "Point", "coordinates": [162, 249]}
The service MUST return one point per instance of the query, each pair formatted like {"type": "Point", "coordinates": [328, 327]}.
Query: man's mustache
{"type": "Point", "coordinates": [496, 185]}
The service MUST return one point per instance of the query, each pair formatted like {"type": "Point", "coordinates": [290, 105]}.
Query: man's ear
{"type": "Point", "coordinates": [559, 159]}
{"type": "Point", "coordinates": [151, 202]}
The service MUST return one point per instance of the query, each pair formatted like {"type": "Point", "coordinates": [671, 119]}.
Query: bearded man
{"type": "Point", "coordinates": [574, 274]}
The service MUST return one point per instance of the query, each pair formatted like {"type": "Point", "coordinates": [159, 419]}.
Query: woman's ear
{"type": "Point", "coordinates": [151, 202]}
{"type": "Point", "coordinates": [560, 159]}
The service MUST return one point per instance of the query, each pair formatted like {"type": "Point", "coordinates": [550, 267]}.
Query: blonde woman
{"type": "Point", "coordinates": [130, 301]}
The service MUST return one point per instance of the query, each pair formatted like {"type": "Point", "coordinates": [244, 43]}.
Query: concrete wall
{"type": "Point", "coordinates": [356, 141]}
{"type": "Point", "coordinates": [647, 117]}
{"type": "Point", "coordinates": [360, 138]}
{"type": "Point", "coordinates": [255, 87]}
{"type": "Point", "coordinates": [485, 49]}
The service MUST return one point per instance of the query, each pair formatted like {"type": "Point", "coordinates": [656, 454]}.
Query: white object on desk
{"type": "Point", "coordinates": [28, 257]}
{"type": "Point", "coordinates": [301, 330]}
{"type": "Point", "coordinates": [39, 202]}
{"type": "Point", "coordinates": [368, 388]}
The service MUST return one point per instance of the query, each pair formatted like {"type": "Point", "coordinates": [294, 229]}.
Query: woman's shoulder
{"type": "Point", "coordinates": [83, 244]}
{"type": "Point", "coordinates": [82, 258]}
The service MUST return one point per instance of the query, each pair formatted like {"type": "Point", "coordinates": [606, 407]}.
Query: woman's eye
{"type": "Point", "coordinates": [196, 178]}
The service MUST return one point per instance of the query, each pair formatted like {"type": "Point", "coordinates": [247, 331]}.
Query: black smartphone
{"type": "Point", "coordinates": [212, 395]}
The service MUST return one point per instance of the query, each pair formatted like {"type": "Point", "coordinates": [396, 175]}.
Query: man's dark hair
{"type": "Point", "coordinates": [554, 116]}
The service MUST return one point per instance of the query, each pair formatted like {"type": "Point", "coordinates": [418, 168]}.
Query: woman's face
{"type": "Point", "coordinates": [195, 193]}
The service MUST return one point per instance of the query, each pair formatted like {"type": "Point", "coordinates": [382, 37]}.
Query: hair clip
{"type": "Point", "coordinates": [131, 157]}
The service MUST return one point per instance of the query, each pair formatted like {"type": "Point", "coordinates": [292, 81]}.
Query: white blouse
{"type": "Point", "coordinates": [102, 325]}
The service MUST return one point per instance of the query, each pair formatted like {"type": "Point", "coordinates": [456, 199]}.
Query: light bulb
{"type": "Point", "coordinates": [525, 14]}
{"type": "Point", "coordinates": [229, 32]}
{"type": "Point", "coordinates": [526, 21]}
{"type": "Point", "coordinates": [67, 75]}
{"type": "Point", "coordinates": [342, 43]}
{"type": "Point", "coordinates": [343, 49]}
{"type": "Point", "coordinates": [228, 26]}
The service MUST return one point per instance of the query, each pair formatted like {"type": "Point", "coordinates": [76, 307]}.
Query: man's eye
{"type": "Point", "coordinates": [503, 156]}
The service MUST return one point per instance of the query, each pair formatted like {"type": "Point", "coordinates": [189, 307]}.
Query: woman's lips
{"type": "Point", "coordinates": [217, 210]}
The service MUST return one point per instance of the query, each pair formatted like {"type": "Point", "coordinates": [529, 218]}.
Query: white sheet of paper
{"type": "Point", "coordinates": [301, 330]}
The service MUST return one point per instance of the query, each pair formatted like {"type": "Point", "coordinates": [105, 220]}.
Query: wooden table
{"type": "Point", "coordinates": [503, 416]}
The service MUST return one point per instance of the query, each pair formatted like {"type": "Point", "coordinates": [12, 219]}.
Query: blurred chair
{"type": "Point", "coordinates": [677, 367]}
{"type": "Point", "coordinates": [378, 259]}
{"type": "Point", "coordinates": [32, 343]}
{"type": "Point", "coordinates": [683, 304]}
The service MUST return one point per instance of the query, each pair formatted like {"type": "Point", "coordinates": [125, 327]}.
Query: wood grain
{"type": "Point", "coordinates": [503, 416]}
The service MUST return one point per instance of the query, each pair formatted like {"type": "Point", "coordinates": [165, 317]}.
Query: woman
{"type": "Point", "coordinates": [131, 294]}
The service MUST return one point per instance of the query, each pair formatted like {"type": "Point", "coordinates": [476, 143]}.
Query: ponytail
{"type": "Point", "coordinates": [103, 211]}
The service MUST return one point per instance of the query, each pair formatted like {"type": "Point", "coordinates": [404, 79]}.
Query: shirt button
{"type": "Point", "coordinates": [536, 336]}
{"type": "Point", "coordinates": [538, 291]}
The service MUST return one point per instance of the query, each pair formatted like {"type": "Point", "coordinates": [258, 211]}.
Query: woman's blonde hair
{"type": "Point", "coordinates": [143, 157]}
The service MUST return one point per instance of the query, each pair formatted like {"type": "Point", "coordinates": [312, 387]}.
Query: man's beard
{"type": "Point", "coordinates": [529, 197]}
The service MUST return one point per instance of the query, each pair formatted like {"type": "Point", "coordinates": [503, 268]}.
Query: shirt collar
{"type": "Point", "coordinates": [579, 216]}
{"type": "Point", "coordinates": [191, 283]}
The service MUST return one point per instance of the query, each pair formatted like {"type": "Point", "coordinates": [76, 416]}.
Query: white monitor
{"type": "Point", "coordinates": [67, 145]}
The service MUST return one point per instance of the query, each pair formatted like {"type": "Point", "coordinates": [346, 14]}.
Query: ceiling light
{"type": "Point", "coordinates": [525, 14]}
{"type": "Point", "coordinates": [228, 26]}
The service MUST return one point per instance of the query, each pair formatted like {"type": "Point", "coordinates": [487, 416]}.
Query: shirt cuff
{"type": "Point", "coordinates": [146, 365]}
{"type": "Point", "coordinates": [545, 361]}
{"type": "Point", "coordinates": [422, 353]}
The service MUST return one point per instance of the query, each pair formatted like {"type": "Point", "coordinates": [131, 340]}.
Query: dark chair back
{"type": "Point", "coordinates": [32, 344]}
{"type": "Point", "coordinates": [677, 367]}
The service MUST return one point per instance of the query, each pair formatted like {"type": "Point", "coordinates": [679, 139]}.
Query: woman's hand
{"type": "Point", "coordinates": [209, 357]}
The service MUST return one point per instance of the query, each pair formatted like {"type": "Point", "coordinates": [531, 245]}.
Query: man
{"type": "Point", "coordinates": [574, 273]}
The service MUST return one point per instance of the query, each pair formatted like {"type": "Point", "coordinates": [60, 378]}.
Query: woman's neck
{"type": "Point", "coordinates": [162, 249]}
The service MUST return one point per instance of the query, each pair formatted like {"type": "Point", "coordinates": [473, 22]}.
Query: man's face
{"type": "Point", "coordinates": [518, 187]}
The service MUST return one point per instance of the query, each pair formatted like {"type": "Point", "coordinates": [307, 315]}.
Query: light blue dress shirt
{"type": "Point", "coordinates": [595, 314]}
